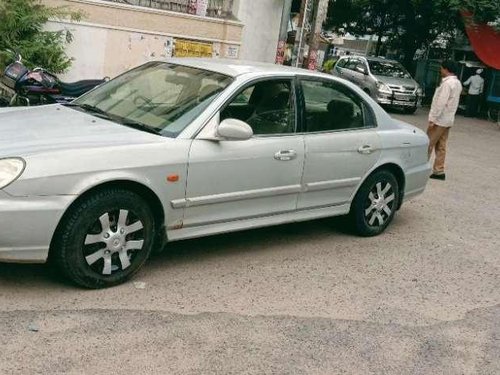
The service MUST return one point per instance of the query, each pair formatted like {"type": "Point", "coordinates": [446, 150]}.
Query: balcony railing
{"type": "Point", "coordinates": [215, 8]}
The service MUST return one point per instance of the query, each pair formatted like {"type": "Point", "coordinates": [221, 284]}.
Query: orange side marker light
{"type": "Point", "coordinates": [173, 178]}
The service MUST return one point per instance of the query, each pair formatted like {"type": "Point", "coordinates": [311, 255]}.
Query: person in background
{"type": "Point", "coordinates": [476, 87]}
{"type": "Point", "coordinates": [442, 116]}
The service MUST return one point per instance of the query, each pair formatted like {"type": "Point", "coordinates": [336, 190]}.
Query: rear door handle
{"type": "Point", "coordinates": [365, 149]}
{"type": "Point", "coordinates": [285, 155]}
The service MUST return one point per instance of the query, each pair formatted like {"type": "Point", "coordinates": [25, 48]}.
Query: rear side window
{"type": "Point", "coordinates": [342, 63]}
{"type": "Point", "coordinates": [361, 66]}
{"type": "Point", "coordinates": [330, 106]}
{"type": "Point", "coordinates": [352, 64]}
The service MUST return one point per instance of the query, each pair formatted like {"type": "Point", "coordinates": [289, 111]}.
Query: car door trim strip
{"type": "Point", "coordinates": [236, 196]}
{"type": "Point", "coordinates": [332, 184]}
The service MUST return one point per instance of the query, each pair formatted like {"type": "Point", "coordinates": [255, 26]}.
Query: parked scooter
{"type": "Point", "coordinates": [20, 86]}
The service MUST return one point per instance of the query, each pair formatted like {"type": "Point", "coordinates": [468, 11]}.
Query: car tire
{"type": "Point", "coordinates": [375, 204]}
{"type": "Point", "coordinates": [104, 239]}
{"type": "Point", "coordinates": [410, 111]}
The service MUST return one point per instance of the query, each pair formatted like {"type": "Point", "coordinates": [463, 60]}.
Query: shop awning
{"type": "Point", "coordinates": [485, 41]}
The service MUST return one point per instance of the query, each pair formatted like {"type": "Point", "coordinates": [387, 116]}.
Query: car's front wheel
{"type": "Point", "coordinates": [375, 204]}
{"type": "Point", "coordinates": [104, 239]}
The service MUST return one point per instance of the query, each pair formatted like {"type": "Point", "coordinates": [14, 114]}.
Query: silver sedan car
{"type": "Point", "coordinates": [189, 148]}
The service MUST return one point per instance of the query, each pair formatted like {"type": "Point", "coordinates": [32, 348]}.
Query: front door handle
{"type": "Point", "coordinates": [285, 155]}
{"type": "Point", "coordinates": [365, 149]}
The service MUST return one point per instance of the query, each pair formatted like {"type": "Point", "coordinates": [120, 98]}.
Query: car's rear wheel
{"type": "Point", "coordinates": [104, 239]}
{"type": "Point", "coordinates": [375, 204]}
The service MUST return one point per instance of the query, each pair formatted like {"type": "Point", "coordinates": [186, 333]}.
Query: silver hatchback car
{"type": "Point", "coordinates": [386, 81]}
{"type": "Point", "coordinates": [188, 148]}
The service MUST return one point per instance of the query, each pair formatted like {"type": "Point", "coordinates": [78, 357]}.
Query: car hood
{"type": "Point", "coordinates": [397, 81]}
{"type": "Point", "coordinates": [53, 128]}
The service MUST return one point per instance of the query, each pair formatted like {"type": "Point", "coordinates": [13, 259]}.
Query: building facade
{"type": "Point", "coordinates": [115, 36]}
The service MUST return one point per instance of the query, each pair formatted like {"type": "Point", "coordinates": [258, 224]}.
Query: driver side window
{"type": "Point", "coordinates": [267, 106]}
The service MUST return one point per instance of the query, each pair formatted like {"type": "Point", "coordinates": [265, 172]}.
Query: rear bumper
{"type": "Point", "coordinates": [416, 180]}
{"type": "Point", "coordinates": [27, 225]}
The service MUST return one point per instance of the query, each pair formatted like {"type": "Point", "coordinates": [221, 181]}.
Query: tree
{"type": "Point", "coordinates": [407, 24]}
{"type": "Point", "coordinates": [22, 29]}
{"type": "Point", "coordinates": [484, 11]}
{"type": "Point", "coordinates": [362, 17]}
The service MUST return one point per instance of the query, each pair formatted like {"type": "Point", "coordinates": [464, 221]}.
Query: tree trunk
{"type": "Point", "coordinates": [409, 50]}
{"type": "Point", "coordinates": [379, 45]}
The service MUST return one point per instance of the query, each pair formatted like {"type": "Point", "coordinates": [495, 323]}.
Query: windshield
{"type": "Point", "coordinates": [388, 69]}
{"type": "Point", "coordinates": [158, 97]}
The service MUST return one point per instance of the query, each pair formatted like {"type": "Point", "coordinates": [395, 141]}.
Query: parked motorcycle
{"type": "Point", "coordinates": [20, 86]}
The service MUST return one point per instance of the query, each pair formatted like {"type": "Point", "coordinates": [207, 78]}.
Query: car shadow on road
{"type": "Point", "coordinates": [249, 241]}
{"type": "Point", "coordinates": [27, 276]}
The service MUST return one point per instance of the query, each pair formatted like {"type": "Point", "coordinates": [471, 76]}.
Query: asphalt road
{"type": "Point", "coordinates": [424, 298]}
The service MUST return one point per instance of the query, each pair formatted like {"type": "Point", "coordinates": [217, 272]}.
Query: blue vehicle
{"type": "Point", "coordinates": [493, 97]}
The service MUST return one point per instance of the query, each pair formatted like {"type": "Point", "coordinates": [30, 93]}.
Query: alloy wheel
{"type": "Point", "coordinates": [380, 204]}
{"type": "Point", "coordinates": [113, 241]}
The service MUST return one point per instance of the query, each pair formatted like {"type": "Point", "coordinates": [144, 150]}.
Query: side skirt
{"type": "Point", "coordinates": [258, 222]}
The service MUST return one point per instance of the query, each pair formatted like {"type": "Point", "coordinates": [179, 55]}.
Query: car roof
{"type": "Point", "coordinates": [373, 58]}
{"type": "Point", "coordinates": [235, 68]}
{"type": "Point", "coordinates": [369, 58]}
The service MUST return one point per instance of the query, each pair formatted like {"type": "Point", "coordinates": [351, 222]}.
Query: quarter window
{"type": "Point", "coordinates": [330, 106]}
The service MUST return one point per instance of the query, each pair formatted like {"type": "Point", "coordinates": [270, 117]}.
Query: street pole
{"type": "Point", "coordinates": [319, 16]}
{"type": "Point", "coordinates": [368, 45]}
{"type": "Point", "coordinates": [305, 16]}
{"type": "Point", "coordinates": [285, 19]}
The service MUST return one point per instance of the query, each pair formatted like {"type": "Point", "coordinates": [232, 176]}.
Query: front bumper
{"type": "Point", "coordinates": [27, 225]}
{"type": "Point", "coordinates": [396, 100]}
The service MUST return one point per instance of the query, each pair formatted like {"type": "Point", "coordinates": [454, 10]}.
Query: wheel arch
{"type": "Point", "coordinates": [397, 171]}
{"type": "Point", "coordinates": [140, 189]}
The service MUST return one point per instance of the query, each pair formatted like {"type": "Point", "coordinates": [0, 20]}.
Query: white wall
{"type": "Point", "coordinates": [100, 51]}
{"type": "Point", "coordinates": [261, 20]}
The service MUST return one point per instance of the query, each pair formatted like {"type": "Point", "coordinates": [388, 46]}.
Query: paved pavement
{"type": "Point", "coordinates": [424, 298]}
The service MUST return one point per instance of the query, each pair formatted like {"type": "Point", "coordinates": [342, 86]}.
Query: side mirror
{"type": "Point", "coordinates": [233, 129]}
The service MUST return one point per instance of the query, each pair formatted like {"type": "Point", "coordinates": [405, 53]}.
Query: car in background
{"type": "Point", "coordinates": [386, 81]}
{"type": "Point", "coordinates": [193, 147]}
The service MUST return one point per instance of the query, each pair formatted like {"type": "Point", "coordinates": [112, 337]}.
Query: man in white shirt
{"type": "Point", "coordinates": [476, 87]}
{"type": "Point", "coordinates": [442, 116]}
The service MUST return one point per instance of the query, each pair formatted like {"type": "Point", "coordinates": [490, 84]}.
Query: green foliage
{"type": "Point", "coordinates": [407, 25]}
{"type": "Point", "coordinates": [484, 11]}
{"type": "Point", "coordinates": [328, 65]}
{"type": "Point", "coordinates": [21, 29]}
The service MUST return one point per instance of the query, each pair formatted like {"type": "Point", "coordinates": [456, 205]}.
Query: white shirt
{"type": "Point", "coordinates": [445, 102]}
{"type": "Point", "coordinates": [476, 83]}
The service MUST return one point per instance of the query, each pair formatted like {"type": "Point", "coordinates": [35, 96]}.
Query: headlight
{"type": "Point", "coordinates": [382, 87]}
{"type": "Point", "coordinates": [10, 170]}
{"type": "Point", "coordinates": [419, 91]}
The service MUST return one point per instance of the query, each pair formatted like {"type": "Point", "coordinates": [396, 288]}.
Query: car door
{"type": "Point", "coordinates": [340, 67]}
{"type": "Point", "coordinates": [349, 69]}
{"type": "Point", "coordinates": [341, 141]}
{"type": "Point", "coordinates": [234, 180]}
{"type": "Point", "coordinates": [360, 74]}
